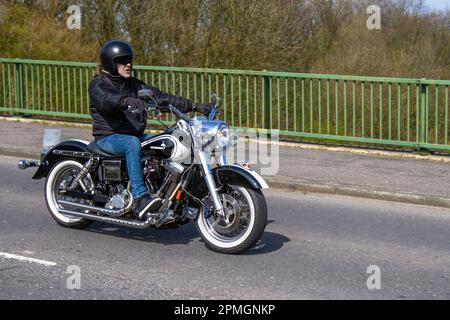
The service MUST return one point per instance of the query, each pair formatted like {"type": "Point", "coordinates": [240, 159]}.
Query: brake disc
{"type": "Point", "coordinates": [232, 211]}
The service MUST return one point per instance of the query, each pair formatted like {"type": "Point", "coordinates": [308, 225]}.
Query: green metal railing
{"type": "Point", "coordinates": [391, 111]}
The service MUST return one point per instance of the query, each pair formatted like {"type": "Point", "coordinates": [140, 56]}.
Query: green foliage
{"type": "Point", "coordinates": [321, 36]}
{"type": "Point", "coordinates": [35, 31]}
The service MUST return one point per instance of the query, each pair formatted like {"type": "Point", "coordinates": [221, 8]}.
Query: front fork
{"type": "Point", "coordinates": [209, 178]}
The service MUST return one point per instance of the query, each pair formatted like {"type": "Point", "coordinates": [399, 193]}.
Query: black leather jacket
{"type": "Point", "coordinates": [108, 109]}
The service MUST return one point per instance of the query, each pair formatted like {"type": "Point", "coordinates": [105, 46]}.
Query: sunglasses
{"type": "Point", "coordinates": [124, 60]}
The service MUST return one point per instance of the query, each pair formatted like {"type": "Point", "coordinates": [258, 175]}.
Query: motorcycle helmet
{"type": "Point", "coordinates": [111, 51]}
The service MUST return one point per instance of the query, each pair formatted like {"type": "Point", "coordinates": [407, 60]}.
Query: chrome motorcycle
{"type": "Point", "coordinates": [186, 166]}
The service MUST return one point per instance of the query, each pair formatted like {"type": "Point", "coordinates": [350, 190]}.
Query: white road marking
{"type": "Point", "coordinates": [27, 259]}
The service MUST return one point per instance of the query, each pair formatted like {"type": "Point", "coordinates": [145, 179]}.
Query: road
{"type": "Point", "coordinates": [315, 247]}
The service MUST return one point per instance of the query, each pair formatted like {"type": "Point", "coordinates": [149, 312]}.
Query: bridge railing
{"type": "Point", "coordinates": [391, 111]}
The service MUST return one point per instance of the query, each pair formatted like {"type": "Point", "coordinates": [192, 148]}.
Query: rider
{"type": "Point", "coordinates": [119, 117]}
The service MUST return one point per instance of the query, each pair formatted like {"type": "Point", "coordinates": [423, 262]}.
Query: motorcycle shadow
{"type": "Point", "coordinates": [183, 235]}
{"type": "Point", "coordinates": [270, 242]}
{"type": "Point", "coordinates": [186, 234]}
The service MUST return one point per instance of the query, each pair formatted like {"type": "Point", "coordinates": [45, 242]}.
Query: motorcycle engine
{"type": "Point", "coordinates": [119, 197]}
{"type": "Point", "coordinates": [117, 201]}
{"type": "Point", "coordinates": [152, 174]}
{"type": "Point", "coordinates": [151, 170]}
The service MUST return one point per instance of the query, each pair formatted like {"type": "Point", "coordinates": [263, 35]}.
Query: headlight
{"type": "Point", "coordinates": [223, 135]}
{"type": "Point", "coordinates": [212, 133]}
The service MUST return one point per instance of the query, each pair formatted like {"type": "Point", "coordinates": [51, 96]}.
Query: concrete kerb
{"type": "Point", "coordinates": [358, 192]}
{"type": "Point", "coordinates": [364, 152]}
{"type": "Point", "coordinates": [294, 184]}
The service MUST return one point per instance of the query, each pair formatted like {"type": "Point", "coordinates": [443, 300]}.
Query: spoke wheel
{"type": "Point", "coordinates": [241, 226]}
{"type": "Point", "coordinates": [59, 178]}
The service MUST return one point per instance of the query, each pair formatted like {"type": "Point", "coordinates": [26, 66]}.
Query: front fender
{"type": "Point", "coordinates": [240, 176]}
{"type": "Point", "coordinates": [50, 158]}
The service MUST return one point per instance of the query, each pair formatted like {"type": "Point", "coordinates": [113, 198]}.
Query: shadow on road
{"type": "Point", "coordinates": [269, 242]}
{"type": "Point", "coordinates": [183, 235]}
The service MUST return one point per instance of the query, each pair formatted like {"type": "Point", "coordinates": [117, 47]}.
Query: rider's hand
{"type": "Point", "coordinates": [134, 105]}
{"type": "Point", "coordinates": [204, 108]}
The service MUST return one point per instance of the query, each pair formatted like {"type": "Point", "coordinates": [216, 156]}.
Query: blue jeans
{"type": "Point", "coordinates": [129, 147]}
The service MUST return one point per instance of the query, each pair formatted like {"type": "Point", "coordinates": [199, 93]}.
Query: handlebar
{"type": "Point", "coordinates": [163, 105]}
{"type": "Point", "coordinates": [153, 104]}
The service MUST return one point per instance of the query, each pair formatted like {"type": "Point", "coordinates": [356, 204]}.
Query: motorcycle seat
{"type": "Point", "coordinates": [94, 148]}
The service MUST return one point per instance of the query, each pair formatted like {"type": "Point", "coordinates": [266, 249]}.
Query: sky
{"type": "Point", "coordinates": [438, 4]}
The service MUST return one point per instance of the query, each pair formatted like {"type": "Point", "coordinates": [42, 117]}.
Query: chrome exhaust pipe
{"type": "Point", "coordinates": [24, 164]}
{"type": "Point", "coordinates": [119, 222]}
{"type": "Point", "coordinates": [111, 219]}
{"type": "Point", "coordinates": [110, 212]}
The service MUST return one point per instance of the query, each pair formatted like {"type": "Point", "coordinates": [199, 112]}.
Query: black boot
{"type": "Point", "coordinates": [145, 202]}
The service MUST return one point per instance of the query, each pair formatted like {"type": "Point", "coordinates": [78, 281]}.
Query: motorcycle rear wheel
{"type": "Point", "coordinates": [246, 210]}
{"type": "Point", "coordinates": [54, 178]}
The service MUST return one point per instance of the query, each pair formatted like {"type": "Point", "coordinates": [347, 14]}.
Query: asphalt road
{"type": "Point", "coordinates": [314, 247]}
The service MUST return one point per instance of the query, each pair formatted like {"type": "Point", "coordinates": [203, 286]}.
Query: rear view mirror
{"type": "Point", "coordinates": [145, 94]}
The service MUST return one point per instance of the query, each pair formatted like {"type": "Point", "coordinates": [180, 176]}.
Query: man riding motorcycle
{"type": "Point", "coordinates": [119, 117]}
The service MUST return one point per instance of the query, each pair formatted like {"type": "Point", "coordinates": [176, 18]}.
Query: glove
{"type": "Point", "coordinates": [204, 108]}
{"type": "Point", "coordinates": [134, 105]}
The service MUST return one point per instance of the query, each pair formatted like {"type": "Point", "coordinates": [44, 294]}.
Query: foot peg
{"type": "Point", "coordinates": [152, 206]}
{"type": "Point", "coordinates": [146, 204]}
{"type": "Point", "coordinates": [168, 215]}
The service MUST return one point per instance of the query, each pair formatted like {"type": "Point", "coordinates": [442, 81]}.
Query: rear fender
{"type": "Point", "coordinates": [51, 158]}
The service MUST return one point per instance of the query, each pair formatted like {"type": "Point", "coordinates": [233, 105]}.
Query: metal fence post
{"type": "Point", "coordinates": [423, 110]}
{"type": "Point", "coordinates": [266, 103]}
{"type": "Point", "coordinates": [18, 88]}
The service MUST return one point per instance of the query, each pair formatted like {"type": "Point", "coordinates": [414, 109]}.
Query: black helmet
{"type": "Point", "coordinates": [112, 50]}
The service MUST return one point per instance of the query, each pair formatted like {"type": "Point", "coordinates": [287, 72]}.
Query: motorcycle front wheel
{"type": "Point", "coordinates": [241, 227]}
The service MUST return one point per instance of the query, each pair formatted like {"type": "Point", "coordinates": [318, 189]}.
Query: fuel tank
{"type": "Point", "coordinates": [166, 147]}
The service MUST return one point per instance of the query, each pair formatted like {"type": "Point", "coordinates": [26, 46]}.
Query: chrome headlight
{"type": "Point", "coordinates": [212, 133]}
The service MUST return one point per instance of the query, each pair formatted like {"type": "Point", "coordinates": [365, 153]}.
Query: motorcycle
{"type": "Point", "coordinates": [185, 166]}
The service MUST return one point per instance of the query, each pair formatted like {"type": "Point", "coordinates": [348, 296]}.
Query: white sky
{"type": "Point", "coordinates": [438, 4]}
